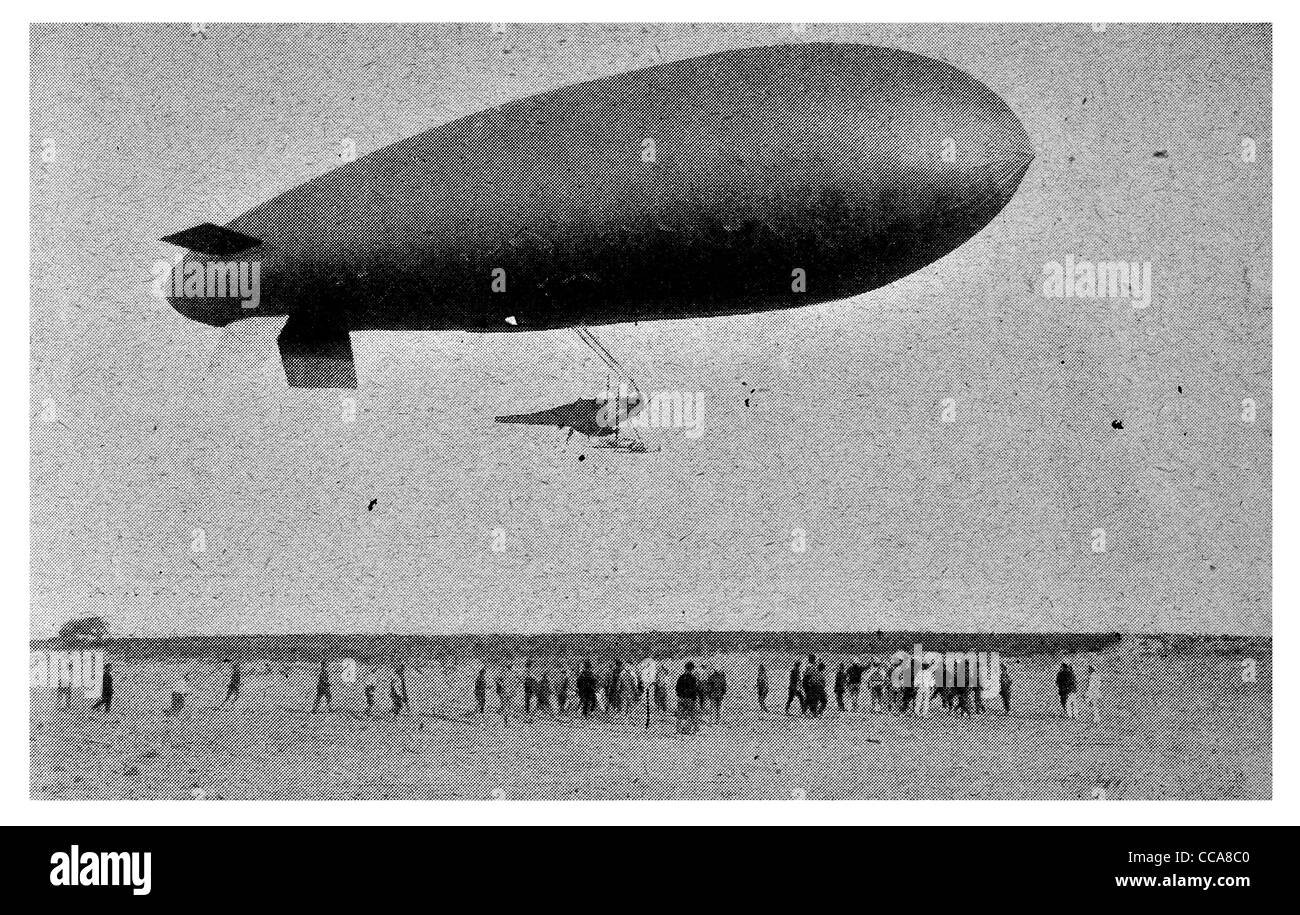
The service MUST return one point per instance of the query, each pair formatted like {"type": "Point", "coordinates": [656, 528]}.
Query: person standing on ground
{"type": "Point", "coordinates": [530, 686]}
{"type": "Point", "coordinates": [1092, 694]}
{"type": "Point", "coordinates": [587, 689]}
{"type": "Point", "coordinates": [562, 693]}
{"type": "Point", "coordinates": [924, 689]}
{"type": "Point", "coordinates": [480, 690]}
{"type": "Point", "coordinates": [717, 687]}
{"type": "Point", "coordinates": [841, 686]}
{"type": "Point", "coordinates": [232, 688]}
{"type": "Point", "coordinates": [796, 688]}
{"type": "Point", "coordinates": [397, 691]}
{"type": "Point", "coordinates": [628, 685]}
{"type": "Point", "coordinates": [105, 691]}
{"type": "Point", "coordinates": [876, 683]}
{"type": "Point", "coordinates": [761, 687]}
{"type": "Point", "coordinates": [1068, 688]}
{"type": "Point", "coordinates": [701, 692]}
{"type": "Point", "coordinates": [688, 691]}
{"type": "Point", "coordinates": [613, 699]}
{"type": "Point", "coordinates": [814, 687]}
{"type": "Point", "coordinates": [854, 677]}
{"type": "Point", "coordinates": [969, 696]}
{"type": "Point", "coordinates": [323, 689]}
{"type": "Point", "coordinates": [1004, 688]}
{"type": "Point", "coordinates": [544, 692]}
{"type": "Point", "coordinates": [506, 692]}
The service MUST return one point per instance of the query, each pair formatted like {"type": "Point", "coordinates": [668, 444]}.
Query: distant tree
{"type": "Point", "coordinates": [86, 629]}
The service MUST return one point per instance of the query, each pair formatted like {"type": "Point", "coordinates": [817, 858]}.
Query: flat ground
{"type": "Point", "coordinates": [1181, 726]}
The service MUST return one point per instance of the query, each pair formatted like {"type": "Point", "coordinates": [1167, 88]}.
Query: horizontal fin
{"type": "Point", "coordinates": [217, 241]}
{"type": "Point", "coordinates": [316, 357]}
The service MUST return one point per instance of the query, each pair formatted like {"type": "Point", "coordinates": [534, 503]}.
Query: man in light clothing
{"type": "Point", "coordinates": [506, 690]}
{"type": "Point", "coordinates": [1092, 694]}
{"type": "Point", "coordinates": [925, 684]}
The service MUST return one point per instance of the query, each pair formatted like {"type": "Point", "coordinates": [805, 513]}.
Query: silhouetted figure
{"type": "Point", "coordinates": [105, 691]}
{"type": "Point", "coordinates": [480, 690]}
{"type": "Point", "coordinates": [232, 688]}
{"type": "Point", "coordinates": [716, 687]}
{"type": "Point", "coordinates": [688, 700]}
{"type": "Point", "coordinates": [796, 689]}
{"type": "Point", "coordinates": [562, 693]}
{"type": "Point", "coordinates": [544, 692]}
{"type": "Point", "coordinates": [530, 686]}
{"type": "Point", "coordinates": [323, 689]}
{"type": "Point", "coordinates": [854, 677]}
{"type": "Point", "coordinates": [587, 689]}
{"type": "Point", "coordinates": [1068, 688]}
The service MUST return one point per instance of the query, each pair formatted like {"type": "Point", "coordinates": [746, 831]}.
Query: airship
{"type": "Point", "coordinates": [734, 183]}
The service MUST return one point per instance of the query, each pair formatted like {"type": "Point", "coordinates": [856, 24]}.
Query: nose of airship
{"type": "Point", "coordinates": [1005, 143]}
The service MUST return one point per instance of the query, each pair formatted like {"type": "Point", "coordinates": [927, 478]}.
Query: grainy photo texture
{"type": "Point", "coordinates": [651, 411]}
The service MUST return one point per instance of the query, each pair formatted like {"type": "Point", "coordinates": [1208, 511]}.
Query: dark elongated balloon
{"type": "Point", "coordinates": [744, 181]}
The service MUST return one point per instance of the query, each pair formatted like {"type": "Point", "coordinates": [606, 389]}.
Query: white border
{"type": "Point", "coordinates": [17, 808]}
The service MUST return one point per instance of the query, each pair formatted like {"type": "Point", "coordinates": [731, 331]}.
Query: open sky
{"type": "Point", "coordinates": [145, 429]}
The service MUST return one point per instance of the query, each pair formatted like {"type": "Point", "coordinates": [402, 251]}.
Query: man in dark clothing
{"type": "Point", "coordinates": [613, 698]}
{"type": "Point", "coordinates": [717, 689]}
{"type": "Point", "coordinates": [480, 690]}
{"type": "Point", "coordinates": [587, 689]}
{"type": "Point", "coordinates": [841, 685]}
{"type": "Point", "coordinates": [796, 689]}
{"type": "Point", "coordinates": [232, 689]}
{"type": "Point", "coordinates": [1004, 688]}
{"type": "Point", "coordinates": [820, 683]}
{"type": "Point", "coordinates": [530, 686]}
{"type": "Point", "coordinates": [854, 678]}
{"type": "Point", "coordinates": [323, 689]}
{"type": "Point", "coordinates": [105, 691]}
{"type": "Point", "coordinates": [688, 699]}
{"type": "Point", "coordinates": [1067, 686]}
{"type": "Point", "coordinates": [544, 692]}
{"type": "Point", "coordinates": [761, 687]}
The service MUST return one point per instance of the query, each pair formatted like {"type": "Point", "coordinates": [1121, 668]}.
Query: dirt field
{"type": "Point", "coordinates": [1182, 726]}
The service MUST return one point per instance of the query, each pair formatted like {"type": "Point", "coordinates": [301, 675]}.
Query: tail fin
{"type": "Point", "coordinates": [217, 241]}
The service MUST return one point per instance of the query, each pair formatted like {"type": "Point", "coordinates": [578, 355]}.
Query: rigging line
{"type": "Point", "coordinates": [608, 358]}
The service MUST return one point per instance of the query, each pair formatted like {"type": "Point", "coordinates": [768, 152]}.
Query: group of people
{"type": "Point", "coordinates": [619, 689]}
{"type": "Point", "coordinates": [1067, 687]}
{"type": "Point", "coordinates": [622, 688]}
{"type": "Point", "coordinates": [889, 687]}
